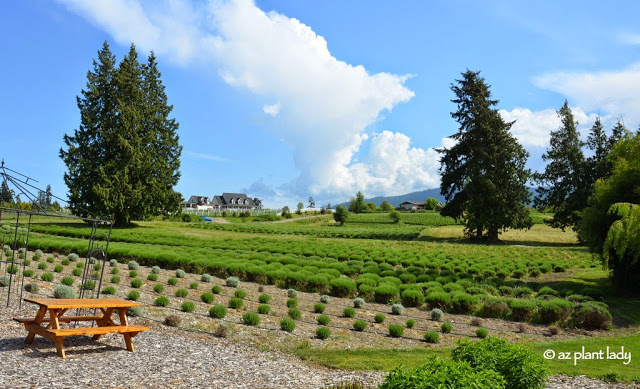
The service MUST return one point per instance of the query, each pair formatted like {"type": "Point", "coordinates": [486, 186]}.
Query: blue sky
{"type": "Point", "coordinates": [289, 99]}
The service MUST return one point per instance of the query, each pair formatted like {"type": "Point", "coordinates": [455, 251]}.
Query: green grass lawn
{"type": "Point", "coordinates": [385, 360]}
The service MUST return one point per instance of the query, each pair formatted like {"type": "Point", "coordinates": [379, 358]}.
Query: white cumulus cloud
{"type": "Point", "coordinates": [324, 104]}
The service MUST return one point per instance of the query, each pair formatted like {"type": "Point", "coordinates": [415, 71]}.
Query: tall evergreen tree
{"type": "Point", "coordinates": [599, 165]}
{"type": "Point", "coordinates": [6, 194]}
{"type": "Point", "coordinates": [123, 161]}
{"type": "Point", "coordinates": [564, 184]}
{"type": "Point", "coordinates": [483, 174]}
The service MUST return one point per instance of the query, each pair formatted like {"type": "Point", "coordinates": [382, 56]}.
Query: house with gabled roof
{"type": "Point", "coordinates": [237, 201]}
{"type": "Point", "coordinates": [197, 202]}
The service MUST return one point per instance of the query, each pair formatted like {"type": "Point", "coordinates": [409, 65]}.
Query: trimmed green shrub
{"type": "Point", "coordinates": [396, 331]}
{"type": "Point", "coordinates": [158, 288]}
{"type": "Point", "coordinates": [32, 287]}
{"type": "Point", "coordinates": [263, 309]}
{"type": "Point", "coordinates": [207, 297]}
{"type": "Point", "coordinates": [251, 319]}
{"type": "Point", "coordinates": [235, 303]}
{"type": "Point", "coordinates": [522, 291]}
{"type": "Point", "coordinates": [64, 262]}
{"type": "Point", "coordinates": [397, 309]}
{"type": "Point", "coordinates": [591, 315]}
{"type": "Point", "coordinates": [385, 293]}
{"type": "Point", "coordinates": [115, 280]}
{"type": "Point", "coordinates": [287, 324]}
{"type": "Point", "coordinates": [554, 310]}
{"type": "Point", "coordinates": [349, 312]}
{"type": "Point", "coordinates": [172, 281]}
{"type": "Point", "coordinates": [446, 327]}
{"type": "Point", "coordinates": [115, 270]}
{"type": "Point", "coordinates": [325, 299]}
{"type": "Point", "coordinates": [218, 311]}
{"type": "Point", "coordinates": [155, 270]}
{"type": "Point", "coordinates": [136, 283]}
{"type": "Point", "coordinates": [216, 289]}
{"type": "Point", "coordinates": [522, 310]}
{"type": "Point", "coordinates": [162, 301]}
{"type": "Point", "coordinates": [133, 295]}
{"type": "Point", "coordinates": [180, 273]}
{"type": "Point", "coordinates": [482, 332]}
{"type": "Point", "coordinates": [319, 307]}
{"type": "Point", "coordinates": [412, 298]}
{"type": "Point", "coordinates": [47, 277]}
{"type": "Point", "coordinates": [495, 308]}
{"type": "Point", "coordinates": [432, 336]}
{"type": "Point", "coordinates": [442, 373]}
{"type": "Point", "coordinates": [58, 268]}
{"type": "Point", "coordinates": [188, 306]}
{"type": "Point", "coordinates": [205, 277]}
{"type": "Point", "coordinates": [292, 303]}
{"type": "Point", "coordinates": [323, 320]}
{"type": "Point", "coordinates": [152, 277]}
{"type": "Point", "coordinates": [379, 318]}
{"type": "Point", "coordinates": [64, 292]}
{"type": "Point", "coordinates": [519, 367]}
{"type": "Point", "coordinates": [323, 333]}
{"type": "Point", "coordinates": [239, 293]}
{"type": "Point", "coordinates": [440, 300]}
{"type": "Point", "coordinates": [182, 293]}
{"type": "Point", "coordinates": [342, 287]}
{"type": "Point", "coordinates": [28, 272]}
{"type": "Point", "coordinates": [194, 285]}
{"type": "Point", "coordinates": [109, 290]}
{"type": "Point", "coordinates": [410, 323]}
{"type": "Point", "coordinates": [77, 272]}
{"type": "Point", "coordinates": [67, 280]}
{"type": "Point", "coordinates": [232, 282]}
{"type": "Point", "coordinates": [462, 302]}
{"type": "Point", "coordinates": [264, 298]}
{"type": "Point", "coordinates": [42, 266]}
{"type": "Point", "coordinates": [294, 314]}
{"type": "Point", "coordinates": [360, 325]}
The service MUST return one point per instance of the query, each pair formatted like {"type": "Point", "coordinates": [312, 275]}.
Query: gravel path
{"type": "Point", "coordinates": [165, 358]}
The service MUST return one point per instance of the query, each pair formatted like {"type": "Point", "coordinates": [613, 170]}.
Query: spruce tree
{"type": "Point", "coordinates": [565, 183]}
{"type": "Point", "coordinates": [123, 160]}
{"type": "Point", "coordinates": [6, 194]}
{"type": "Point", "coordinates": [483, 174]}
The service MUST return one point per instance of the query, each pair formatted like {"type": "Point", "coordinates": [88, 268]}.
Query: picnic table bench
{"type": "Point", "coordinates": [58, 307]}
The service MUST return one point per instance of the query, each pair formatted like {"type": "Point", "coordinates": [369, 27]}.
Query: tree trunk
{"type": "Point", "coordinates": [492, 235]}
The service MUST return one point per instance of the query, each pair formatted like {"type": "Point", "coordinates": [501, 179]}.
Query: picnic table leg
{"type": "Point", "coordinates": [37, 321]}
{"type": "Point", "coordinates": [122, 313]}
{"type": "Point", "coordinates": [59, 349]}
{"type": "Point", "coordinates": [105, 321]}
{"type": "Point", "coordinates": [128, 342]}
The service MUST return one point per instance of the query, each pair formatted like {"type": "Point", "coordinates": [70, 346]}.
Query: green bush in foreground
{"type": "Point", "coordinates": [152, 277]}
{"type": "Point", "coordinates": [158, 288]}
{"type": "Point", "coordinates": [287, 324]}
{"type": "Point", "coordinates": [239, 293]}
{"type": "Point", "coordinates": [161, 301]}
{"type": "Point", "coordinates": [519, 367]}
{"type": "Point", "coordinates": [263, 309]}
{"type": "Point", "coordinates": [67, 280]}
{"type": "Point", "coordinates": [109, 290]}
{"type": "Point", "coordinates": [182, 293]}
{"type": "Point", "coordinates": [294, 314]}
{"type": "Point", "coordinates": [136, 283]}
{"type": "Point", "coordinates": [235, 303]}
{"type": "Point", "coordinates": [218, 311]}
{"type": "Point", "coordinates": [251, 319]}
{"type": "Point", "coordinates": [207, 297]}
{"type": "Point", "coordinates": [410, 323]}
{"type": "Point", "coordinates": [446, 327]}
{"type": "Point", "coordinates": [292, 303]}
{"type": "Point", "coordinates": [172, 281]}
{"type": "Point", "coordinates": [482, 332]}
{"type": "Point", "coordinates": [323, 320]}
{"type": "Point", "coordinates": [319, 307]}
{"type": "Point", "coordinates": [78, 272]}
{"type": "Point", "coordinates": [396, 331]}
{"type": "Point", "coordinates": [47, 277]}
{"type": "Point", "coordinates": [379, 318]}
{"type": "Point", "coordinates": [359, 325]}
{"type": "Point", "coordinates": [134, 295]}
{"type": "Point", "coordinates": [188, 306]}
{"type": "Point", "coordinates": [349, 312]}
{"type": "Point", "coordinates": [432, 337]}
{"type": "Point", "coordinates": [323, 333]}
{"type": "Point", "coordinates": [216, 289]}
{"type": "Point", "coordinates": [441, 373]}
{"type": "Point", "coordinates": [264, 298]}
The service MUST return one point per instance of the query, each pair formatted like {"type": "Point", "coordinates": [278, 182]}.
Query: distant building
{"type": "Point", "coordinates": [237, 201]}
{"type": "Point", "coordinates": [197, 202]}
{"type": "Point", "coordinates": [411, 205]}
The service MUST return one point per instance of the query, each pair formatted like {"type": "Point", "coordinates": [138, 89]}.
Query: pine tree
{"type": "Point", "coordinates": [483, 174]}
{"type": "Point", "coordinates": [600, 167]}
{"type": "Point", "coordinates": [6, 194]}
{"type": "Point", "coordinates": [564, 184]}
{"type": "Point", "coordinates": [123, 161]}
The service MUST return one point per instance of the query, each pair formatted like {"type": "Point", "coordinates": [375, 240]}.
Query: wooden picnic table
{"type": "Point", "coordinates": [49, 327]}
